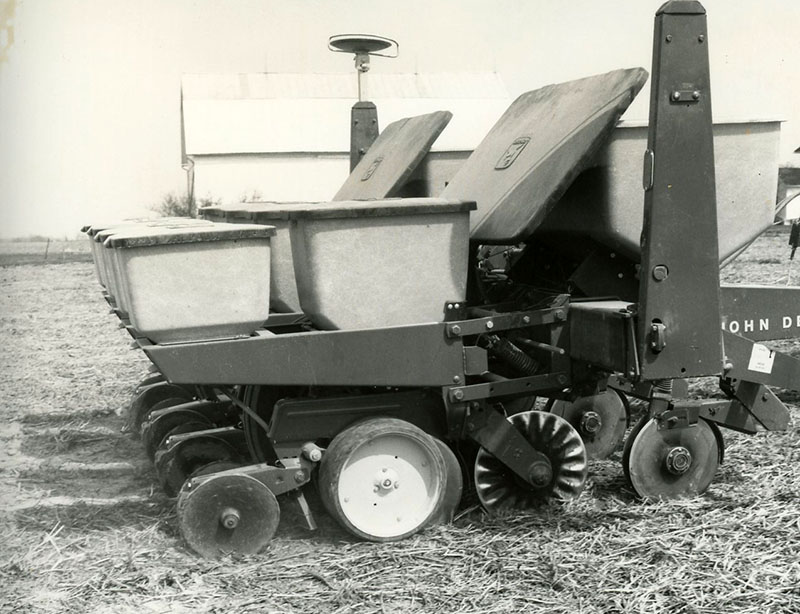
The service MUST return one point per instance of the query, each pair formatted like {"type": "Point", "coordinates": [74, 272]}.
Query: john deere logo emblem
{"type": "Point", "coordinates": [376, 163]}
{"type": "Point", "coordinates": [507, 159]}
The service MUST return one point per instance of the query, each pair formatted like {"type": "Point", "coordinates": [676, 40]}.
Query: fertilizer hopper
{"type": "Point", "coordinates": [605, 201]}
{"type": "Point", "coordinates": [381, 173]}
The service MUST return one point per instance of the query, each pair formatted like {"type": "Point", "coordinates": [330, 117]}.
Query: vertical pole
{"type": "Point", "coordinates": [679, 322]}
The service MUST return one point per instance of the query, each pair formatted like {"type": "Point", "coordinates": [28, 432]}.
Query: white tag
{"type": "Point", "coordinates": [761, 359]}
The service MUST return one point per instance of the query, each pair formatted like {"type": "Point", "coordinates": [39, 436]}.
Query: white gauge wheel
{"type": "Point", "coordinates": [383, 479]}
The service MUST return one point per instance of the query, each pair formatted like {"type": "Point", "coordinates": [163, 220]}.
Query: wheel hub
{"type": "Point", "coordinates": [678, 460]}
{"type": "Point", "coordinates": [230, 517]}
{"type": "Point", "coordinates": [591, 423]}
{"type": "Point", "coordinates": [386, 480]}
{"type": "Point", "coordinates": [541, 474]}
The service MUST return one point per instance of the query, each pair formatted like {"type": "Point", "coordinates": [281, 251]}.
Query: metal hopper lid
{"type": "Point", "coordinates": [196, 234]}
{"type": "Point", "coordinates": [535, 151]}
{"type": "Point", "coordinates": [382, 208]}
{"type": "Point", "coordinates": [393, 157]}
{"type": "Point", "coordinates": [101, 234]}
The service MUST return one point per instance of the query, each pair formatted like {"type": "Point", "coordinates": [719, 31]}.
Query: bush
{"type": "Point", "coordinates": [173, 205]}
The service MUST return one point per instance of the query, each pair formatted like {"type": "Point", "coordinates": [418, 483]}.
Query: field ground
{"type": "Point", "coordinates": [44, 252]}
{"type": "Point", "coordinates": [85, 527]}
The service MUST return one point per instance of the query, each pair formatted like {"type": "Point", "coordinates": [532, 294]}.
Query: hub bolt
{"type": "Point", "coordinates": [540, 474]}
{"type": "Point", "coordinates": [591, 422]}
{"type": "Point", "coordinates": [387, 479]}
{"type": "Point", "coordinates": [678, 460]}
{"type": "Point", "coordinates": [230, 518]}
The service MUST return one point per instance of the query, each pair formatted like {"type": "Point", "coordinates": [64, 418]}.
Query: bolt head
{"type": "Point", "coordinates": [490, 325]}
{"type": "Point", "coordinates": [668, 38]}
{"type": "Point", "coordinates": [676, 95]}
{"type": "Point", "coordinates": [660, 272]}
{"type": "Point", "coordinates": [696, 95]}
{"type": "Point", "coordinates": [455, 329]}
{"type": "Point", "coordinates": [526, 319]}
{"type": "Point", "coordinates": [456, 379]}
{"type": "Point", "coordinates": [458, 395]}
{"type": "Point", "coordinates": [540, 474]}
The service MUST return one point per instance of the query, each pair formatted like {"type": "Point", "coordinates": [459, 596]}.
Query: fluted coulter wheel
{"type": "Point", "coordinates": [233, 513]}
{"type": "Point", "coordinates": [498, 488]}
{"type": "Point", "coordinates": [383, 479]}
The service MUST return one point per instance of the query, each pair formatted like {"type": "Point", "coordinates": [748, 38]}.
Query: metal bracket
{"type": "Point", "coordinates": [678, 416]}
{"type": "Point", "coordinates": [506, 321]}
{"type": "Point", "coordinates": [476, 360]}
{"type": "Point", "coordinates": [500, 438]}
{"type": "Point", "coordinates": [295, 473]}
{"type": "Point", "coordinates": [678, 96]}
{"type": "Point", "coordinates": [658, 337]}
{"type": "Point", "coordinates": [455, 311]}
{"type": "Point", "coordinates": [508, 387]}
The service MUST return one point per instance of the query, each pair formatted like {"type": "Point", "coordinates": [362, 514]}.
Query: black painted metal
{"type": "Point", "coordinates": [502, 439]}
{"type": "Point", "coordinates": [299, 420]}
{"type": "Point", "coordinates": [679, 320]}
{"type": "Point", "coordinates": [761, 313]}
{"type": "Point", "coordinates": [418, 355]}
{"type": "Point", "coordinates": [784, 371]}
{"type": "Point", "coordinates": [363, 130]}
{"type": "Point", "coordinates": [509, 387]}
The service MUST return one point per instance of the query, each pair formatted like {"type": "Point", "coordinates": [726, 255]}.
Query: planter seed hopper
{"type": "Point", "coordinates": [393, 349]}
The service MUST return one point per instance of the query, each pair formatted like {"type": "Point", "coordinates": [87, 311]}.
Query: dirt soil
{"type": "Point", "coordinates": [85, 527]}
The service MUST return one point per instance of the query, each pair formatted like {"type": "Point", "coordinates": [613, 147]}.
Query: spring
{"type": "Point", "coordinates": [510, 353]}
{"type": "Point", "coordinates": [663, 386]}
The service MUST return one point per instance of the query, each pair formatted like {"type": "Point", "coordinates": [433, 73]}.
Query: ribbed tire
{"type": "Point", "coordinates": [383, 479]}
{"type": "Point", "coordinates": [455, 485]}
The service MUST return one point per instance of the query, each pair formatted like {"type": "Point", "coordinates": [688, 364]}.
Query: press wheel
{"type": "Point", "coordinates": [498, 488]}
{"type": "Point", "coordinates": [383, 479]}
{"type": "Point", "coordinates": [224, 514]}
{"type": "Point", "coordinates": [671, 463]}
{"type": "Point", "coordinates": [600, 420]}
{"type": "Point", "coordinates": [454, 484]}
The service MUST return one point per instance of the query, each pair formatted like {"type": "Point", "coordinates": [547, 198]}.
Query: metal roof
{"type": "Point", "coordinates": [284, 113]}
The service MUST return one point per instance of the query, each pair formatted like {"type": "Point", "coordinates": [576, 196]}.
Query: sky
{"type": "Point", "coordinates": [89, 89]}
